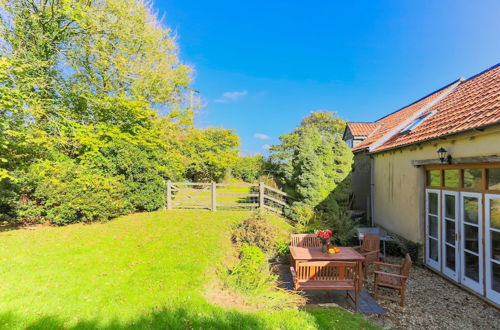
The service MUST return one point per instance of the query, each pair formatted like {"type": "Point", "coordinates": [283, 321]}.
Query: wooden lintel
{"type": "Point", "coordinates": [462, 160]}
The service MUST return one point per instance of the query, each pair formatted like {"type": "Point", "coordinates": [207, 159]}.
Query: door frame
{"type": "Point", "coordinates": [490, 294]}
{"type": "Point", "coordinates": [468, 282]}
{"type": "Point", "coordinates": [453, 274]}
{"type": "Point", "coordinates": [430, 262]}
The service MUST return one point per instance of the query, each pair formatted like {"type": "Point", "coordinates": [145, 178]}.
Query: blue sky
{"type": "Point", "coordinates": [261, 66]}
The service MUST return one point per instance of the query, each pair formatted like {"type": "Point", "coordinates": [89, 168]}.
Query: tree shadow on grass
{"type": "Point", "coordinates": [178, 318]}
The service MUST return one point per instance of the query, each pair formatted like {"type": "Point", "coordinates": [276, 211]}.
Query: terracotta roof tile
{"type": "Point", "coordinates": [361, 128]}
{"type": "Point", "coordinates": [396, 118]}
{"type": "Point", "coordinates": [474, 103]}
{"type": "Point", "coordinates": [469, 104]}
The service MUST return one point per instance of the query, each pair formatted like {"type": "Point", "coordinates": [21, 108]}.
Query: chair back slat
{"type": "Point", "coordinates": [326, 271]}
{"type": "Point", "coordinates": [305, 240]}
{"type": "Point", "coordinates": [371, 242]}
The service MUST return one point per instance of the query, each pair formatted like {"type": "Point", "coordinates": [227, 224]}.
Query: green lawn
{"type": "Point", "coordinates": [139, 271]}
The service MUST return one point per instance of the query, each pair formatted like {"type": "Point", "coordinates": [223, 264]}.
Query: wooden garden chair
{"type": "Point", "coordinates": [370, 249]}
{"type": "Point", "coordinates": [305, 240]}
{"type": "Point", "coordinates": [395, 281]}
{"type": "Point", "coordinates": [327, 275]}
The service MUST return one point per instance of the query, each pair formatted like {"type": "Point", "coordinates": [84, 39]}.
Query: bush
{"type": "Point", "coordinates": [139, 169]}
{"type": "Point", "coordinates": [252, 277]}
{"type": "Point", "coordinates": [256, 231]}
{"type": "Point", "coordinates": [249, 168]}
{"type": "Point", "coordinates": [303, 215]}
{"type": "Point", "coordinates": [65, 192]}
{"type": "Point", "coordinates": [252, 273]}
{"type": "Point", "coordinates": [282, 248]}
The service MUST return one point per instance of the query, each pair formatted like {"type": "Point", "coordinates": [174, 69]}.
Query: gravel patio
{"type": "Point", "coordinates": [431, 303]}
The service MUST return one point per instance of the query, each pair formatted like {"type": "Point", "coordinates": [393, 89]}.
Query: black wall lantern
{"type": "Point", "coordinates": [443, 156]}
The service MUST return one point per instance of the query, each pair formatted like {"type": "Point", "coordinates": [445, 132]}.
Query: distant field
{"type": "Point", "coordinates": [139, 271]}
{"type": "Point", "coordinates": [202, 196]}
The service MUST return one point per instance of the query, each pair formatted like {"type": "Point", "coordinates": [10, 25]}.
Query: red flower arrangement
{"type": "Point", "coordinates": [324, 236]}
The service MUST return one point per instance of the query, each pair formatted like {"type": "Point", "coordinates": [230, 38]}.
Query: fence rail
{"type": "Point", "coordinates": [211, 196]}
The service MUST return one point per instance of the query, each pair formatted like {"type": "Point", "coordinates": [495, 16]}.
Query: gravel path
{"type": "Point", "coordinates": [434, 303]}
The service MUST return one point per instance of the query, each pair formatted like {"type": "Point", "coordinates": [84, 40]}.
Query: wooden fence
{"type": "Point", "coordinates": [213, 196]}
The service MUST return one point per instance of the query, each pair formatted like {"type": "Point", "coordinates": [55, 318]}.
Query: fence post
{"type": "Point", "coordinates": [214, 201]}
{"type": "Point", "coordinates": [169, 195]}
{"type": "Point", "coordinates": [261, 195]}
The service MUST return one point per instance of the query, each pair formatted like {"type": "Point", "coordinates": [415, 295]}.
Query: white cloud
{"type": "Point", "coordinates": [266, 146]}
{"type": "Point", "coordinates": [231, 96]}
{"type": "Point", "coordinates": [261, 136]}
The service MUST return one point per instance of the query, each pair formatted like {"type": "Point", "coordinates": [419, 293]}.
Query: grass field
{"type": "Point", "coordinates": [188, 196]}
{"type": "Point", "coordinates": [139, 271]}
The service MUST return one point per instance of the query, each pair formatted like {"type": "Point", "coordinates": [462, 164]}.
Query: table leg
{"type": "Point", "coordinates": [360, 275]}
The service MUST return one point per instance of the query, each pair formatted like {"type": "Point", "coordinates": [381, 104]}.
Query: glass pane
{"type": "Point", "coordinates": [495, 213]}
{"type": "Point", "coordinates": [434, 178]}
{"type": "Point", "coordinates": [450, 206]}
{"type": "Point", "coordinates": [472, 266]}
{"type": "Point", "coordinates": [450, 232]}
{"type": "Point", "coordinates": [494, 178]}
{"type": "Point", "coordinates": [495, 245]}
{"type": "Point", "coordinates": [433, 226]}
{"type": "Point", "coordinates": [472, 178]}
{"type": "Point", "coordinates": [495, 277]}
{"type": "Point", "coordinates": [450, 257]}
{"type": "Point", "coordinates": [451, 178]}
{"type": "Point", "coordinates": [471, 209]}
{"type": "Point", "coordinates": [433, 203]}
{"type": "Point", "coordinates": [433, 249]}
{"type": "Point", "coordinates": [471, 238]}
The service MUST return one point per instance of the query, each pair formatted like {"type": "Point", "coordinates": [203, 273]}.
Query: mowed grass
{"type": "Point", "coordinates": [139, 271]}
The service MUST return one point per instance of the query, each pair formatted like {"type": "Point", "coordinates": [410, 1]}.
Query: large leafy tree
{"type": "Point", "coordinates": [96, 87]}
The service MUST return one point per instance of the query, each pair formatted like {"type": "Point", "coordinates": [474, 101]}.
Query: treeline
{"type": "Point", "coordinates": [96, 112]}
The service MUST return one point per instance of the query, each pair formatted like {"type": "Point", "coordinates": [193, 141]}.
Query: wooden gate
{"type": "Point", "coordinates": [213, 196]}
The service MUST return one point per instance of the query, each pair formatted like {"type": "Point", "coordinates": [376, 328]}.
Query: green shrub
{"type": "Point", "coordinates": [249, 168]}
{"type": "Point", "coordinates": [64, 192]}
{"type": "Point", "coordinates": [303, 215]}
{"type": "Point", "coordinates": [257, 231]}
{"type": "Point", "coordinates": [282, 248]}
{"type": "Point", "coordinates": [252, 273]}
{"type": "Point", "coordinates": [253, 278]}
{"type": "Point", "coordinates": [139, 169]}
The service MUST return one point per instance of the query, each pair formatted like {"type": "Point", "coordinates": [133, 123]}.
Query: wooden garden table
{"type": "Point", "coordinates": [314, 254]}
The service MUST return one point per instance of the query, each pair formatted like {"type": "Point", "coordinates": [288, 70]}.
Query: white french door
{"type": "Point", "coordinates": [471, 249]}
{"type": "Point", "coordinates": [450, 237]}
{"type": "Point", "coordinates": [432, 232]}
{"type": "Point", "coordinates": [492, 246]}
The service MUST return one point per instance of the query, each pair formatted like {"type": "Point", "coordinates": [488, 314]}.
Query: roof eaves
{"type": "Point", "coordinates": [433, 138]}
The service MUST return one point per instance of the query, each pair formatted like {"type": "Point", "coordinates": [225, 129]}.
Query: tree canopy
{"type": "Point", "coordinates": [88, 103]}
